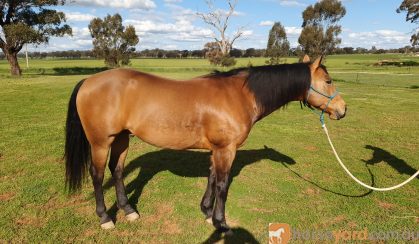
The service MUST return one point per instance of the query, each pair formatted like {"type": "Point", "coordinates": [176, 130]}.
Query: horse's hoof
{"type": "Point", "coordinates": [108, 225]}
{"type": "Point", "coordinates": [223, 228]}
{"type": "Point", "coordinates": [132, 216]}
{"type": "Point", "coordinates": [209, 220]}
{"type": "Point", "coordinates": [229, 233]}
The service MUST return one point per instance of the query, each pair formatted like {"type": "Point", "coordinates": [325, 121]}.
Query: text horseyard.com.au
{"type": "Point", "coordinates": [282, 233]}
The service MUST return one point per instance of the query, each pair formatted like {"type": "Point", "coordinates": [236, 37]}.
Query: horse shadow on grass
{"type": "Point", "coordinates": [237, 235]}
{"type": "Point", "coordinates": [380, 155]}
{"type": "Point", "coordinates": [196, 164]}
{"type": "Point", "coordinates": [187, 164]}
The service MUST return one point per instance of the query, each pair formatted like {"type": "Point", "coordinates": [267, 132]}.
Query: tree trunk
{"type": "Point", "coordinates": [14, 65]}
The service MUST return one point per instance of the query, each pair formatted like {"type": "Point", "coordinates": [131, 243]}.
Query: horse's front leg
{"type": "Point", "coordinates": [222, 159]}
{"type": "Point", "coordinates": [207, 203]}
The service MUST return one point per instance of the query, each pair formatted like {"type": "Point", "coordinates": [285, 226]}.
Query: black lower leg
{"type": "Point", "coordinates": [207, 203]}
{"type": "Point", "coordinates": [97, 177]}
{"type": "Point", "coordinates": [221, 190]}
{"type": "Point", "coordinates": [121, 196]}
{"type": "Point", "coordinates": [119, 150]}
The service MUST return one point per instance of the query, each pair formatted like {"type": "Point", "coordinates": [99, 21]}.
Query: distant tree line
{"type": "Point", "coordinates": [236, 53]}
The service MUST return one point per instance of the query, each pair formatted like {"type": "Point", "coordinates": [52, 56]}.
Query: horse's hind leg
{"type": "Point", "coordinates": [119, 151]}
{"type": "Point", "coordinates": [222, 160]}
{"type": "Point", "coordinates": [97, 170]}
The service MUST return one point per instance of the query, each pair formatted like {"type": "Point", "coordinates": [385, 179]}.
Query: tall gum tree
{"type": "Point", "coordinates": [320, 27]}
{"type": "Point", "coordinates": [411, 7]}
{"type": "Point", "coordinates": [28, 22]}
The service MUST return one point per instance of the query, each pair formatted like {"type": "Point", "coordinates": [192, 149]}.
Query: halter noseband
{"type": "Point", "coordinates": [327, 104]}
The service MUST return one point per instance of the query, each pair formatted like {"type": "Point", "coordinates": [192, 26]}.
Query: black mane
{"type": "Point", "coordinates": [274, 85]}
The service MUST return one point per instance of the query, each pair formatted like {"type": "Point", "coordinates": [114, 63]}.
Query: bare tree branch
{"type": "Point", "coordinates": [236, 36]}
{"type": "Point", "coordinates": [219, 20]}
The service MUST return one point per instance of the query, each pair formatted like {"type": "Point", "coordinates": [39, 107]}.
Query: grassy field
{"type": "Point", "coordinates": [295, 181]}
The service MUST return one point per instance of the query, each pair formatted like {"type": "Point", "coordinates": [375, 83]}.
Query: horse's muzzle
{"type": "Point", "coordinates": [341, 116]}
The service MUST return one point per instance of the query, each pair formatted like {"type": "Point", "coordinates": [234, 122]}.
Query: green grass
{"type": "Point", "coordinates": [297, 181]}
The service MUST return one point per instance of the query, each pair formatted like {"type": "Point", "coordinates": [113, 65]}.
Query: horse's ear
{"type": "Point", "coordinates": [317, 62]}
{"type": "Point", "coordinates": [264, 146]}
{"type": "Point", "coordinates": [306, 59]}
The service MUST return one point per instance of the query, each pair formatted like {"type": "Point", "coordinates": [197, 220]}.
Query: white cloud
{"type": "Point", "coordinates": [129, 4]}
{"type": "Point", "coordinates": [149, 26]}
{"type": "Point", "coordinates": [169, 47]}
{"type": "Point", "coordinates": [81, 32]}
{"type": "Point", "coordinates": [247, 33]}
{"type": "Point", "coordinates": [83, 42]}
{"type": "Point", "coordinates": [379, 38]}
{"type": "Point", "coordinates": [293, 31]}
{"type": "Point", "coordinates": [266, 23]}
{"type": "Point", "coordinates": [77, 16]}
{"type": "Point", "coordinates": [292, 3]}
{"type": "Point", "coordinates": [197, 35]}
{"type": "Point", "coordinates": [159, 29]}
{"type": "Point", "coordinates": [172, 1]}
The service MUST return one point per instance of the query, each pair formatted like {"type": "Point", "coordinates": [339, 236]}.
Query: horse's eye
{"type": "Point", "coordinates": [329, 81]}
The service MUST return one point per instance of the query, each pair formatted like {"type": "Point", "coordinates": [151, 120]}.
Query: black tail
{"type": "Point", "coordinates": [77, 148]}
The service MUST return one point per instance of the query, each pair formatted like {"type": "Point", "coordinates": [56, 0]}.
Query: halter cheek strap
{"type": "Point", "coordinates": [330, 98]}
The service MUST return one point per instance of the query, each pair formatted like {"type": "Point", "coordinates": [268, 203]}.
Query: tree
{"type": "Point", "coordinates": [28, 22]}
{"type": "Point", "coordinates": [219, 20]}
{"type": "Point", "coordinates": [320, 30]}
{"type": "Point", "coordinates": [412, 9]}
{"type": "Point", "coordinates": [250, 53]}
{"type": "Point", "coordinates": [236, 53]}
{"type": "Point", "coordinates": [278, 45]}
{"type": "Point", "coordinates": [112, 41]}
{"type": "Point", "coordinates": [216, 57]}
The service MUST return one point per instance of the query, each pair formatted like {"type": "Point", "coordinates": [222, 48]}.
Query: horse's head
{"type": "Point", "coordinates": [322, 93]}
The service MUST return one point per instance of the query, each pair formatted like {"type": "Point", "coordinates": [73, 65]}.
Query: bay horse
{"type": "Point", "coordinates": [214, 112]}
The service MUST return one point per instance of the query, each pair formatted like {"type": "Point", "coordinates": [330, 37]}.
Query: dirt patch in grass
{"type": "Point", "coordinates": [32, 221]}
{"type": "Point", "coordinates": [124, 233]}
{"type": "Point", "coordinates": [385, 205]}
{"type": "Point", "coordinates": [170, 227]}
{"type": "Point", "coordinates": [330, 222]}
{"type": "Point", "coordinates": [90, 233]}
{"type": "Point", "coordinates": [352, 225]}
{"type": "Point", "coordinates": [85, 209]}
{"type": "Point", "coordinates": [311, 191]}
{"type": "Point", "coordinates": [163, 220]}
{"type": "Point", "coordinates": [12, 176]}
{"type": "Point", "coordinates": [262, 210]}
{"type": "Point", "coordinates": [164, 209]}
{"type": "Point", "coordinates": [7, 196]}
{"type": "Point", "coordinates": [311, 148]}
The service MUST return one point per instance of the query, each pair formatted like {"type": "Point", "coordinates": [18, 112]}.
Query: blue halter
{"type": "Point", "coordinates": [327, 104]}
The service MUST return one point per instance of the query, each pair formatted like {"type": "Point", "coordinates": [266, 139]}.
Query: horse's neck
{"type": "Point", "coordinates": [264, 110]}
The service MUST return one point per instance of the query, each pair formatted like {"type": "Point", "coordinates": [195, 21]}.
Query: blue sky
{"type": "Point", "coordinates": [173, 24]}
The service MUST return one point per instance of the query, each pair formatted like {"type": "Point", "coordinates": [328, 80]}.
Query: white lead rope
{"type": "Point", "coordinates": [358, 181]}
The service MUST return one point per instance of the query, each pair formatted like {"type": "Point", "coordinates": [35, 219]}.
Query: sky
{"type": "Point", "coordinates": [173, 24]}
